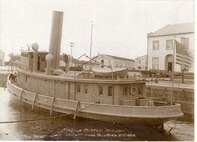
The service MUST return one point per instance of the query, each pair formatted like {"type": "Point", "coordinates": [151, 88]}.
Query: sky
{"type": "Point", "coordinates": [120, 27]}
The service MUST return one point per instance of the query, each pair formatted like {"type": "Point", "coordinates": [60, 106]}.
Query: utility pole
{"type": "Point", "coordinates": [91, 41]}
{"type": "Point", "coordinates": [71, 46]}
{"type": "Point", "coordinates": [71, 54]}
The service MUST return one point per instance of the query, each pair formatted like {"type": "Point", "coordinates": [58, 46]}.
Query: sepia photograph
{"type": "Point", "coordinates": [97, 70]}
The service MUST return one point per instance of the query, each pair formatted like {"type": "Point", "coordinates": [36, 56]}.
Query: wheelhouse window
{"type": "Point", "coordinates": [100, 90]}
{"type": "Point", "coordinates": [109, 90]}
{"type": "Point", "coordinates": [140, 90]}
{"type": "Point", "coordinates": [125, 90]}
{"type": "Point", "coordinates": [78, 88]}
{"type": "Point", "coordinates": [155, 45]}
{"type": "Point", "coordinates": [31, 55]}
{"type": "Point", "coordinates": [169, 44]}
{"type": "Point", "coordinates": [85, 89]}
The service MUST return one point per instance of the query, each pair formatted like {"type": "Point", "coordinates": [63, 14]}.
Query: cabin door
{"type": "Point", "coordinates": [110, 91]}
{"type": "Point", "coordinates": [41, 63]}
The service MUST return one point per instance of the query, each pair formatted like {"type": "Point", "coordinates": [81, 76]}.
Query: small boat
{"type": "Point", "coordinates": [103, 94]}
{"type": "Point", "coordinates": [109, 72]}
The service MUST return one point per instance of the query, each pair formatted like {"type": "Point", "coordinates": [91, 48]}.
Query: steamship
{"type": "Point", "coordinates": [105, 94]}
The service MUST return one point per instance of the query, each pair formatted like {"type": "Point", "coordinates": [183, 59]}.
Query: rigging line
{"type": "Point", "coordinates": [86, 107]}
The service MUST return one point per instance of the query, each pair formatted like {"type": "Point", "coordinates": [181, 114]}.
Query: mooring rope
{"type": "Point", "coordinates": [29, 120]}
{"type": "Point", "coordinates": [41, 119]}
{"type": "Point", "coordinates": [86, 107]}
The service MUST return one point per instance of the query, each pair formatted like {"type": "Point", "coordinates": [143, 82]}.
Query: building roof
{"type": "Point", "coordinates": [85, 62]}
{"type": "Point", "coordinates": [141, 57]}
{"type": "Point", "coordinates": [116, 57]}
{"type": "Point", "coordinates": [173, 29]}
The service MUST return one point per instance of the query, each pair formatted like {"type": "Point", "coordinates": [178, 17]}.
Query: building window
{"type": "Point", "coordinates": [155, 45]}
{"type": "Point", "coordinates": [109, 90]}
{"type": "Point", "coordinates": [100, 90]}
{"type": "Point", "coordinates": [155, 63]}
{"type": "Point", "coordinates": [185, 42]}
{"type": "Point", "coordinates": [169, 44]}
{"type": "Point", "coordinates": [102, 63]}
{"type": "Point", "coordinates": [85, 89]}
{"type": "Point", "coordinates": [78, 88]}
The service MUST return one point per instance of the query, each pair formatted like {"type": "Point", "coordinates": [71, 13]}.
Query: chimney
{"type": "Point", "coordinates": [55, 40]}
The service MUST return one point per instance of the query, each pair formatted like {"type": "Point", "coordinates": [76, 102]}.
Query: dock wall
{"type": "Point", "coordinates": [181, 95]}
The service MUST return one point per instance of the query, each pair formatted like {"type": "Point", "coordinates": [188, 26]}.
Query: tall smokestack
{"type": "Point", "coordinates": [55, 40]}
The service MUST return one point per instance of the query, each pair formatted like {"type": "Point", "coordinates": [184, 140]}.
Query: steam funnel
{"type": "Point", "coordinates": [55, 40]}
